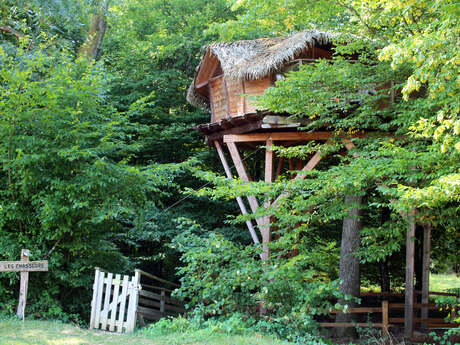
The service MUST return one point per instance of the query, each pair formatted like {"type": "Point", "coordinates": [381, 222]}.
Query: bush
{"type": "Point", "coordinates": [221, 278]}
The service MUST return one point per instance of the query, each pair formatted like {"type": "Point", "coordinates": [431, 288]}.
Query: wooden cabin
{"type": "Point", "coordinates": [231, 74]}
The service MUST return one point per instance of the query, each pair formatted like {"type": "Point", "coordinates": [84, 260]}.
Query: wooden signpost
{"type": "Point", "coordinates": [24, 266]}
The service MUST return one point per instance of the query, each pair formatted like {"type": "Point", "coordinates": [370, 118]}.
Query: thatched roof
{"type": "Point", "coordinates": [254, 59]}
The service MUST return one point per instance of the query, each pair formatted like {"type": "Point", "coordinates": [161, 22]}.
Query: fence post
{"type": "Point", "coordinates": [385, 317]}
{"type": "Point", "coordinates": [133, 302]}
{"type": "Point", "coordinates": [100, 288]}
{"type": "Point", "coordinates": [162, 301]}
{"type": "Point", "coordinates": [94, 300]}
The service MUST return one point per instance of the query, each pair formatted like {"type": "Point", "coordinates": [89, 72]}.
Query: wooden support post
{"type": "Point", "coordinates": [385, 318]}
{"type": "Point", "coordinates": [162, 301]}
{"type": "Point", "coordinates": [269, 161]}
{"type": "Point", "coordinates": [239, 200]}
{"type": "Point", "coordinates": [409, 297]}
{"type": "Point", "coordinates": [268, 178]}
{"type": "Point", "coordinates": [426, 271]}
{"type": "Point", "coordinates": [243, 175]}
{"type": "Point", "coordinates": [24, 284]}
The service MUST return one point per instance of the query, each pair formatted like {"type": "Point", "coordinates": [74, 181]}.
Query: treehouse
{"type": "Point", "coordinates": [230, 75]}
{"type": "Point", "coordinates": [228, 78]}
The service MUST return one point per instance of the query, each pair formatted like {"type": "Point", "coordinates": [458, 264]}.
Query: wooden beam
{"type": "Point", "coordinates": [251, 229]}
{"type": "Point", "coordinates": [312, 163]}
{"type": "Point", "coordinates": [269, 161]}
{"type": "Point", "coordinates": [235, 130]}
{"type": "Point", "coordinates": [409, 294]}
{"type": "Point", "coordinates": [265, 231]}
{"type": "Point", "coordinates": [299, 136]}
{"type": "Point", "coordinates": [243, 175]}
{"type": "Point", "coordinates": [426, 270]}
{"type": "Point", "coordinates": [350, 324]}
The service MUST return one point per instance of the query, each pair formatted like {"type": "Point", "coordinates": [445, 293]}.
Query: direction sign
{"type": "Point", "coordinates": [24, 266]}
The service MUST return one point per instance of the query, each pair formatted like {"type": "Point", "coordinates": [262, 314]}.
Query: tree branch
{"type": "Point", "coordinates": [11, 31]}
{"type": "Point", "coordinates": [356, 13]}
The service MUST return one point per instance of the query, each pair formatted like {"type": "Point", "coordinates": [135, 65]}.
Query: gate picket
{"type": "Point", "coordinates": [116, 288]}
{"type": "Point", "coordinates": [121, 315]}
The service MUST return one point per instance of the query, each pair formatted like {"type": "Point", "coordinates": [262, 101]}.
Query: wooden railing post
{"type": "Point", "coordinates": [162, 301]}
{"type": "Point", "coordinates": [385, 318]}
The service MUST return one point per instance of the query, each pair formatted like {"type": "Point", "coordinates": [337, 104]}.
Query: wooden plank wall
{"type": "Point", "coordinates": [227, 98]}
{"type": "Point", "coordinates": [256, 88]}
{"type": "Point", "coordinates": [219, 103]}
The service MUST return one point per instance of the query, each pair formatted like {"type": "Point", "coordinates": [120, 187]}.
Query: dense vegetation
{"type": "Point", "coordinates": [101, 165]}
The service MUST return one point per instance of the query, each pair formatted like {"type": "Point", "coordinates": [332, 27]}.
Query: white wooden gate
{"type": "Point", "coordinates": [114, 303]}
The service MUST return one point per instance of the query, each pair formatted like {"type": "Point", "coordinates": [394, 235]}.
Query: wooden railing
{"type": "Point", "coordinates": [156, 302]}
{"type": "Point", "coordinates": [384, 325]}
{"type": "Point", "coordinates": [386, 308]}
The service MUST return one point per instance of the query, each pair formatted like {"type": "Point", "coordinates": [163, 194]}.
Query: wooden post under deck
{"type": "Point", "coordinates": [409, 298]}
{"type": "Point", "coordinates": [243, 175]}
{"type": "Point", "coordinates": [251, 229]}
{"type": "Point", "coordinates": [266, 236]}
{"type": "Point", "coordinates": [426, 270]}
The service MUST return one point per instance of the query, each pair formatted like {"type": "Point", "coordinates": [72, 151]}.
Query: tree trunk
{"type": "Point", "coordinates": [349, 263]}
{"type": "Point", "coordinates": [385, 275]}
{"type": "Point", "coordinates": [418, 258]}
{"type": "Point", "coordinates": [92, 46]}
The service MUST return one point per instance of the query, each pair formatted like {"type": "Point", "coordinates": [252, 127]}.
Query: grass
{"type": "Point", "coordinates": [438, 282]}
{"type": "Point", "coordinates": [443, 282]}
{"type": "Point", "coordinates": [13, 332]}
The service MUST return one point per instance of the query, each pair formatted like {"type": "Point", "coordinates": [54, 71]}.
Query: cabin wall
{"type": "Point", "coordinates": [226, 96]}
{"type": "Point", "coordinates": [255, 88]}
{"type": "Point", "coordinates": [218, 99]}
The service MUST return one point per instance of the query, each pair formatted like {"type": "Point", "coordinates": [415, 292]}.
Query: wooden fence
{"type": "Point", "coordinates": [156, 302]}
{"type": "Point", "coordinates": [387, 321]}
{"type": "Point", "coordinates": [119, 301]}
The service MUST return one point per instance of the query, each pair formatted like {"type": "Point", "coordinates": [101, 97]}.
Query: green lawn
{"type": "Point", "coordinates": [442, 282]}
{"type": "Point", "coordinates": [13, 332]}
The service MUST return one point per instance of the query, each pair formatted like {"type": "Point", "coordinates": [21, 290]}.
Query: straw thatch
{"type": "Point", "coordinates": [254, 59]}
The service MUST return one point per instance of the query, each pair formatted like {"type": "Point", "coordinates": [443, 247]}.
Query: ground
{"type": "Point", "coordinates": [13, 332]}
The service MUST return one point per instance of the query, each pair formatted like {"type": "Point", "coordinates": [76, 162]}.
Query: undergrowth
{"type": "Point", "coordinates": [237, 324]}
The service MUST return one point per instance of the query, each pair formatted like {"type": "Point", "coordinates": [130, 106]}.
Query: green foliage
{"type": "Point", "coordinates": [66, 184]}
{"type": "Point", "coordinates": [397, 79]}
{"type": "Point", "coordinates": [445, 338]}
{"type": "Point", "coordinates": [220, 278]}
{"type": "Point", "coordinates": [65, 21]}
